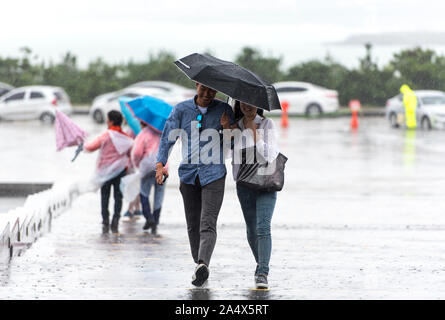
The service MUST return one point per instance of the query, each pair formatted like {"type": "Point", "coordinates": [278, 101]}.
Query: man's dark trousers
{"type": "Point", "coordinates": [202, 205]}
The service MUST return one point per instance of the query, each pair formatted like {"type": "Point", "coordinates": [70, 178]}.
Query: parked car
{"type": "Point", "coordinates": [174, 89]}
{"type": "Point", "coordinates": [100, 109]}
{"type": "Point", "coordinates": [34, 102]}
{"type": "Point", "coordinates": [176, 92]}
{"type": "Point", "coordinates": [307, 98]}
{"type": "Point", "coordinates": [5, 88]}
{"type": "Point", "coordinates": [430, 112]}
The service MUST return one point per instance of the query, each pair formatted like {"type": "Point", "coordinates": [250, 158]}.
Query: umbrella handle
{"type": "Point", "coordinates": [78, 150]}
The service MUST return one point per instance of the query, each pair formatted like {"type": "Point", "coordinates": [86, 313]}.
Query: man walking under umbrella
{"type": "Point", "coordinates": [201, 183]}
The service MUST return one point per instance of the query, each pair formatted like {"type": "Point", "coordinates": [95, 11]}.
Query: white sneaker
{"type": "Point", "coordinates": [261, 281]}
{"type": "Point", "coordinates": [200, 275]}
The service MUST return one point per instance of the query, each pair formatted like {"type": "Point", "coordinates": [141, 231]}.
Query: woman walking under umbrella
{"type": "Point", "coordinates": [257, 206]}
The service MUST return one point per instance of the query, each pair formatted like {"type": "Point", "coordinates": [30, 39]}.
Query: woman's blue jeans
{"type": "Point", "coordinates": [147, 183]}
{"type": "Point", "coordinates": [258, 209]}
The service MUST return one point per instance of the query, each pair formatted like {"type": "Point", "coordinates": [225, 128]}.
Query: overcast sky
{"type": "Point", "coordinates": [120, 30]}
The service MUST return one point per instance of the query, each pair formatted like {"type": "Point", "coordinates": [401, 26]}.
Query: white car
{"type": "Point", "coordinates": [5, 88]}
{"type": "Point", "coordinates": [173, 89]}
{"type": "Point", "coordinates": [176, 92]}
{"type": "Point", "coordinates": [430, 111]}
{"type": "Point", "coordinates": [100, 109]}
{"type": "Point", "coordinates": [34, 102]}
{"type": "Point", "coordinates": [306, 98]}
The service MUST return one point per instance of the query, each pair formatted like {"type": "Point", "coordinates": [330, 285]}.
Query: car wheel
{"type": "Point", "coordinates": [98, 116]}
{"type": "Point", "coordinates": [313, 110]}
{"type": "Point", "coordinates": [393, 120]}
{"type": "Point", "coordinates": [47, 118]}
{"type": "Point", "coordinates": [425, 124]}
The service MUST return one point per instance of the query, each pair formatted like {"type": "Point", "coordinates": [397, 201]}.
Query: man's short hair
{"type": "Point", "coordinates": [115, 117]}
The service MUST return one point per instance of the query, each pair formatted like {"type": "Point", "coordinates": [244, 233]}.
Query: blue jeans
{"type": "Point", "coordinates": [257, 209]}
{"type": "Point", "coordinates": [147, 182]}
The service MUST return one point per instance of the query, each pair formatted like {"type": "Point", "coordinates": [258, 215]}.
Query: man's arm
{"type": "Point", "coordinates": [165, 145]}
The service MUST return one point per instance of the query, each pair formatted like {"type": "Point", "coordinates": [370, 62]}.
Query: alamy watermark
{"type": "Point", "coordinates": [211, 146]}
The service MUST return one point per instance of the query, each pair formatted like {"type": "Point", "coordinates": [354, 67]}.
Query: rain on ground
{"type": "Point", "coordinates": [360, 217]}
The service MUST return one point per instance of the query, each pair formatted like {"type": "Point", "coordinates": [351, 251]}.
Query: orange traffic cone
{"type": "Point", "coordinates": [354, 120]}
{"type": "Point", "coordinates": [355, 106]}
{"type": "Point", "coordinates": [284, 116]}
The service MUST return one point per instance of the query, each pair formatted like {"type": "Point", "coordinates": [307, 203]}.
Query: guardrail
{"type": "Point", "coordinates": [21, 227]}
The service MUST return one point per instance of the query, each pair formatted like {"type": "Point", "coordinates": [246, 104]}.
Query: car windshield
{"type": "Point", "coordinates": [433, 100]}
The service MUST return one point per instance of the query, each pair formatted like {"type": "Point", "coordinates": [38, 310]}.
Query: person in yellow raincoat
{"type": "Point", "coordinates": [410, 104]}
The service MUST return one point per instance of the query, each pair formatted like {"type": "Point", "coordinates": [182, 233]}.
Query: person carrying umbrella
{"type": "Point", "coordinates": [113, 161]}
{"type": "Point", "coordinates": [143, 156]}
{"type": "Point", "coordinates": [201, 184]}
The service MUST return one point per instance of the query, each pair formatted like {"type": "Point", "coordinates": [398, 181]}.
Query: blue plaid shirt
{"type": "Point", "coordinates": [185, 116]}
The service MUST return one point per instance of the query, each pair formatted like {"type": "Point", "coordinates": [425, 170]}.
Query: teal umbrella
{"type": "Point", "coordinates": [152, 111]}
{"type": "Point", "coordinates": [133, 123]}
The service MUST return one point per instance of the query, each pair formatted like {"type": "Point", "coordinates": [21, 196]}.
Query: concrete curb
{"type": "Point", "coordinates": [22, 189]}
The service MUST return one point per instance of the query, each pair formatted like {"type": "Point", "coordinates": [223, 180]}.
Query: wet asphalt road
{"type": "Point", "coordinates": [361, 217]}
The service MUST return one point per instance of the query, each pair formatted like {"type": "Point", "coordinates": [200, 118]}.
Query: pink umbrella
{"type": "Point", "coordinates": [68, 133]}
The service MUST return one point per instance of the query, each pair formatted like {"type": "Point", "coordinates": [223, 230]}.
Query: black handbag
{"type": "Point", "coordinates": [259, 174]}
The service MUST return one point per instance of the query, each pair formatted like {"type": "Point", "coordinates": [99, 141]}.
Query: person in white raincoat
{"type": "Point", "coordinates": [144, 155]}
{"type": "Point", "coordinates": [112, 164]}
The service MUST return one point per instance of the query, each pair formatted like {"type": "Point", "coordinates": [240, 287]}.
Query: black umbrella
{"type": "Point", "coordinates": [231, 79]}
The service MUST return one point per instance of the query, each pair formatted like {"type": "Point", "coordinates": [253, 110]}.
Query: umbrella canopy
{"type": "Point", "coordinates": [133, 123]}
{"type": "Point", "coordinates": [67, 132]}
{"type": "Point", "coordinates": [230, 79]}
{"type": "Point", "coordinates": [152, 111]}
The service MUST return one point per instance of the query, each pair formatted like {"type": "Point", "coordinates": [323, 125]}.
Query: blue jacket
{"type": "Point", "coordinates": [199, 140]}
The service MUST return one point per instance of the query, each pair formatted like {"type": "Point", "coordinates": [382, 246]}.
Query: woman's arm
{"type": "Point", "coordinates": [266, 142]}
{"type": "Point", "coordinates": [95, 144]}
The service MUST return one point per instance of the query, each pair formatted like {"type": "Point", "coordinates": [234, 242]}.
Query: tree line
{"type": "Point", "coordinates": [371, 84]}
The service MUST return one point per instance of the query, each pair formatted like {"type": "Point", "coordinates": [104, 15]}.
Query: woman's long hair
{"type": "Point", "coordinates": [239, 114]}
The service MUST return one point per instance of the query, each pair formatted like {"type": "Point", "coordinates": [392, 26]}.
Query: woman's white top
{"type": "Point", "coordinates": [266, 146]}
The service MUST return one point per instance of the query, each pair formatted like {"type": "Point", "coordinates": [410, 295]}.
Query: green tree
{"type": "Point", "coordinates": [420, 68]}
{"type": "Point", "coordinates": [268, 68]}
{"type": "Point", "coordinates": [159, 66]}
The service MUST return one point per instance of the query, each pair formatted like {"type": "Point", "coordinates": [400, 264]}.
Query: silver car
{"type": "Point", "coordinates": [100, 109]}
{"type": "Point", "coordinates": [306, 98]}
{"type": "Point", "coordinates": [34, 102]}
{"type": "Point", "coordinates": [430, 112]}
{"type": "Point", "coordinates": [5, 88]}
{"type": "Point", "coordinates": [172, 92]}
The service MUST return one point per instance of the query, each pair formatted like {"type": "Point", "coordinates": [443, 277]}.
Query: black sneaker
{"type": "Point", "coordinates": [115, 225]}
{"type": "Point", "coordinates": [154, 230]}
{"type": "Point", "coordinates": [261, 281]}
{"type": "Point", "coordinates": [148, 225]}
{"type": "Point", "coordinates": [105, 226]}
{"type": "Point", "coordinates": [201, 275]}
